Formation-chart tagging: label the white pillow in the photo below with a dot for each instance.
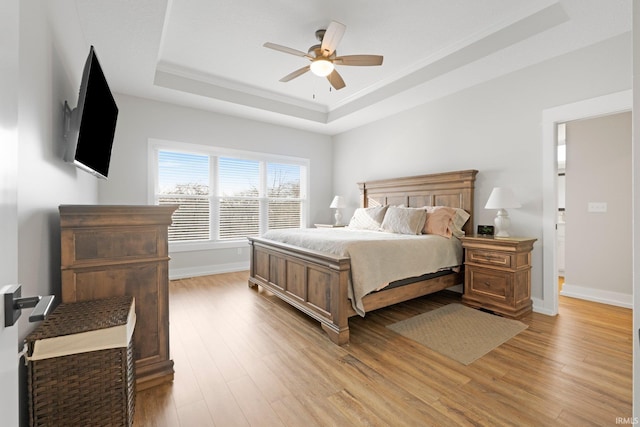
(367, 218)
(404, 220)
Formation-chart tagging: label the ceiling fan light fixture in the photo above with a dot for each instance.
(322, 67)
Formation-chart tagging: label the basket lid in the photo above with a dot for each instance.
(84, 326)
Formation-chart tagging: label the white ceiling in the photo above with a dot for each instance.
(209, 54)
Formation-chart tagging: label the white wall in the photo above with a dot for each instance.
(140, 120)
(44, 180)
(494, 127)
(598, 244)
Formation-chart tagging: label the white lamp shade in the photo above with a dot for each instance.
(321, 67)
(502, 198)
(338, 202)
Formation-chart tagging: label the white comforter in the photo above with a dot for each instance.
(377, 258)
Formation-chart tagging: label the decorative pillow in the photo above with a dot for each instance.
(368, 218)
(439, 220)
(459, 220)
(404, 220)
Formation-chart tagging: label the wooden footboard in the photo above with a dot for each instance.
(317, 283)
(313, 282)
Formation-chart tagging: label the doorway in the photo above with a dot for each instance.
(598, 261)
(605, 105)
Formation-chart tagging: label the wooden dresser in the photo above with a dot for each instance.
(498, 274)
(122, 250)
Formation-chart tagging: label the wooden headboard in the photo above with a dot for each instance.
(453, 189)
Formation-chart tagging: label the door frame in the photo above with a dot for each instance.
(601, 106)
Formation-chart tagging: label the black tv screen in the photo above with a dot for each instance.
(93, 121)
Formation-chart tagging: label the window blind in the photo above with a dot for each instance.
(226, 198)
(283, 190)
(183, 179)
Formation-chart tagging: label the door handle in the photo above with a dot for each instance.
(14, 303)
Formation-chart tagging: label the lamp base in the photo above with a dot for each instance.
(338, 217)
(502, 223)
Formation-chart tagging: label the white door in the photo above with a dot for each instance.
(9, 83)
(8, 275)
(8, 271)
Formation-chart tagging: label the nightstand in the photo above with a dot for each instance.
(498, 274)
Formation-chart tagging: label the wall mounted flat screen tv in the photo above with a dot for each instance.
(90, 127)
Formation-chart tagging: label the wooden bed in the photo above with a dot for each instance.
(316, 282)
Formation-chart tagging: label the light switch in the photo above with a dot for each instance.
(597, 207)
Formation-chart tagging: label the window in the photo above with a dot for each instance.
(226, 196)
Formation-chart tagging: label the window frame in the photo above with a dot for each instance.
(155, 145)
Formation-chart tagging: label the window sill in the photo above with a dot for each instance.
(206, 246)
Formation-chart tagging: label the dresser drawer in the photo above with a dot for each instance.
(489, 282)
(500, 259)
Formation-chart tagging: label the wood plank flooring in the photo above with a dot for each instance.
(239, 362)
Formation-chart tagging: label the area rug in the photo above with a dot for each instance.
(461, 333)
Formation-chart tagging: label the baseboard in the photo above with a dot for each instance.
(597, 295)
(183, 273)
(539, 307)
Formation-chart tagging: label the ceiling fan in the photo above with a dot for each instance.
(324, 57)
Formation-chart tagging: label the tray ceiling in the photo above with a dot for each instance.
(209, 54)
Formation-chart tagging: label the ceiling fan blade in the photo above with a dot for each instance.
(332, 37)
(336, 80)
(359, 60)
(285, 49)
(296, 73)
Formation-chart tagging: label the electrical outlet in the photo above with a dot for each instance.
(597, 207)
(239, 251)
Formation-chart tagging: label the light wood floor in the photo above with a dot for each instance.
(239, 363)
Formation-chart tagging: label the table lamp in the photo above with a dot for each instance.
(338, 203)
(502, 198)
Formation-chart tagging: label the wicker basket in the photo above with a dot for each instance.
(87, 388)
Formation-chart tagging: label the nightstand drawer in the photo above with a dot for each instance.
(500, 259)
(489, 282)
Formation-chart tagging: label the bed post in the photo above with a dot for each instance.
(252, 270)
(338, 328)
